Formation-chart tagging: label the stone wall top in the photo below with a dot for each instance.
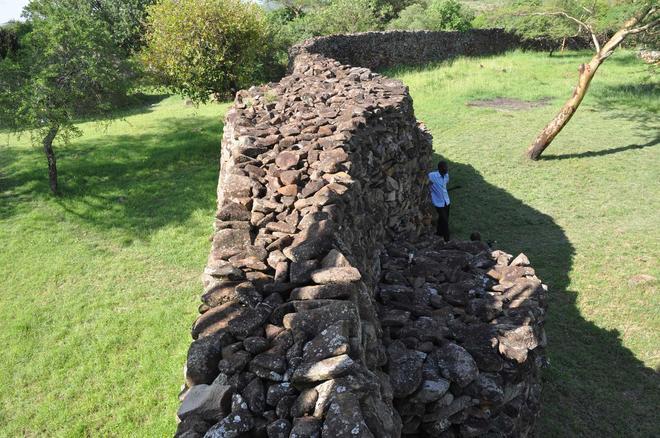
(378, 50)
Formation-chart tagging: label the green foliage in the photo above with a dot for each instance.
(67, 65)
(434, 15)
(344, 16)
(8, 40)
(526, 17)
(204, 47)
(126, 19)
(335, 16)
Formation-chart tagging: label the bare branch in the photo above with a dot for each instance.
(580, 23)
(646, 27)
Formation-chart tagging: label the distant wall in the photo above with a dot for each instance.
(377, 50)
(329, 309)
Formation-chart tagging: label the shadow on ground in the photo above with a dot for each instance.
(594, 386)
(603, 152)
(137, 182)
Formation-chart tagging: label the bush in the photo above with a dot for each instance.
(434, 15)
(204, 47)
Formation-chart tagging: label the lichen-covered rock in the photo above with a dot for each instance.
(204, 355)
(344, 419)
(404, 368)
(455, 364)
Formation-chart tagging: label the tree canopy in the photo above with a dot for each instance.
(204, 47)
(66, 66)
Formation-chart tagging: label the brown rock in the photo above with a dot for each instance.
(286, 160)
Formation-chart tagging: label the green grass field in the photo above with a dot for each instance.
(100, 285)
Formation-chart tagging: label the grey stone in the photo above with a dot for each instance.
(306, 427)
(279, 429)
(322, 370)
(311, 243)
(344, 419)
(204, 355)
(454, 363)
(331, 341)
(335, 259)
(209, 402)
(405, 369)
(336, 275)
(430, 391)
(325, 291)
(300, 272)
(305, 403)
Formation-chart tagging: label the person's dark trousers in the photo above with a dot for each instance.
(443, 222)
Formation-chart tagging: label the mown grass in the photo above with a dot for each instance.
(587, 215)
(100, 285)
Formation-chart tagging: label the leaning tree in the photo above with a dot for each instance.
(643, 17)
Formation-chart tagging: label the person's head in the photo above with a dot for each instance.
(442, 167)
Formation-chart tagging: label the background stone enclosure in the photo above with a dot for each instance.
(329, 310)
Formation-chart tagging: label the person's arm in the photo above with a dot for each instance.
(449, 189)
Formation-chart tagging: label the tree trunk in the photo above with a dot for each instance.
(587, 72)
(50, 156)
(553, 128)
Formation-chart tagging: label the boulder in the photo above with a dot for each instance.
(209, 402)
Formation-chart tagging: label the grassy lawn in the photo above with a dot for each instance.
(587, 215)
(100, 285)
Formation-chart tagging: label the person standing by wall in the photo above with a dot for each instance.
(440, 198)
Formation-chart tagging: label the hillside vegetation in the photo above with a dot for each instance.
(101, 284)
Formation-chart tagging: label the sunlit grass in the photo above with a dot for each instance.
(587, 215)
(100, 285)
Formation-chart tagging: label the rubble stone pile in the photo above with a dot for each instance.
(328, 308)
(463, 329)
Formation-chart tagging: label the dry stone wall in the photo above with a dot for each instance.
(378, 50)
(329, 310)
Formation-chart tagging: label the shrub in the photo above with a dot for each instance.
(204, 47)
(434, 15)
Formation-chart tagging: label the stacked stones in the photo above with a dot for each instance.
(317, 172)
(305, 331)
(378, 50)
(463, 328)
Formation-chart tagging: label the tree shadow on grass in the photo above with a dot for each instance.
(594, 386)
(603, 152)
(135, 182)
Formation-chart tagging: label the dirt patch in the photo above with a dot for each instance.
(507, 104)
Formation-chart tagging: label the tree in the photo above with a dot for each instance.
(66, 66)
(126, 19)
(644, 19)
(204, 47)
(434, 15)
(344, 16)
